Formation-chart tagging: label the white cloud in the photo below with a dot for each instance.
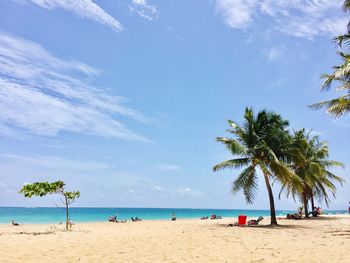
(43, 95)
(300, 18)
(274, 53)
(189, 192)
(236, 13)
(144, 9)
(160, 189)
(184, 190)
(180, 192)
(83, 8)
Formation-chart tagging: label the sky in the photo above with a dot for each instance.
(123, 99)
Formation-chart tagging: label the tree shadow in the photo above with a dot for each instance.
(274, 227)
(36, 233)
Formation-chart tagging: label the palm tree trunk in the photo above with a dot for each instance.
(305, 204)
(272, 202)
(312, 200)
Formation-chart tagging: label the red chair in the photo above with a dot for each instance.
(242, 220)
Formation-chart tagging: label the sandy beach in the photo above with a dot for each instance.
(323, 239)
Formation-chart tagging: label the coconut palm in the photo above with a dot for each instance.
(346, 5)
(258, 143)
(310, 162)
(341, 75)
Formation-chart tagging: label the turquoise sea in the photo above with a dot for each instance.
(55, 215)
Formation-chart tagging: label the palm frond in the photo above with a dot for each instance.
(232, 145)
(231, 164)
(336, 107)
(246, 181)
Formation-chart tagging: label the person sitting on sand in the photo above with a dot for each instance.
(296, 216)
(112, 218)
(213, 216)
(318, 211)
(14, 223)
(314, 212)
(173, 218)
(204, 218)
(254, 222)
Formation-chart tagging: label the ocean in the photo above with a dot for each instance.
(39, 215)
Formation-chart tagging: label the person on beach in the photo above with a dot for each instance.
(70, 224)
(318, 211)
(349, 208)
(14, 223)
(314, 212)
(173, 218)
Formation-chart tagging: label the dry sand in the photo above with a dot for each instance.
(324, 239)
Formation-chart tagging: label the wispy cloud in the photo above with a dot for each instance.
(343, 121)
(166, 167)
(300, 18)
(274, 53)
(54, 163)
(182, 192)
(43, 95)
(187, 191)
(236, 13)
(144, 9)
(160, 189)
(83, 8)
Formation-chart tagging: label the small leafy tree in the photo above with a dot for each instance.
(44, 188)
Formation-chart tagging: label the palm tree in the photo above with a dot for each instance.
(346, 5)
(309, 160)
(341, 74)
(259, 143)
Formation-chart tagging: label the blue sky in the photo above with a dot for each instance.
(123, 99)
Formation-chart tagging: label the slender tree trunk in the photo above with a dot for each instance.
(305, 204)
(272, 202)
(312, 200)
(67, 214)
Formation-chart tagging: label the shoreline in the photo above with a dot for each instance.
(54, 215)
(223, 219)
